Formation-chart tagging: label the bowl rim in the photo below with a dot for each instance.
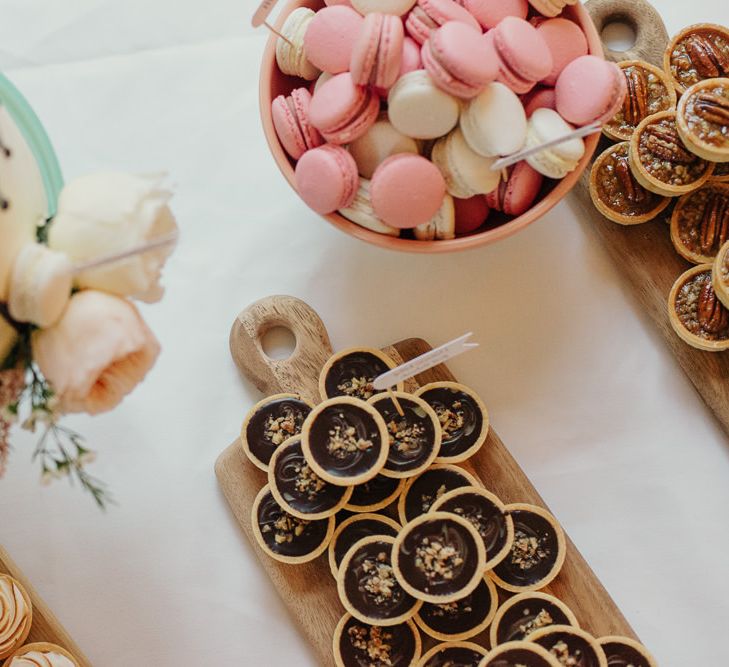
(576, 12)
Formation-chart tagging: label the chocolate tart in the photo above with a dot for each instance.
(358, 644)
(537, 553)
(487, 514)
(463, 419)
(461, 619)
(720, 274)
(351, 373)
(415, 435)
(268, 423)
(660, 160)
(626, 652)
(695, 312)
(649, 91)
(721, 173)
(454, 654)
(345, 441)
(571, 646)
(422, 491)
(284, 537)
(522, 614)
(703, 119)
(617, 194)
(367, 585)
(42, 648)
(438, 557)
(375, 494)
(698, 52)
(700, 223)
(352, 530)
(520, 654)
(298, 489)
(16, 615)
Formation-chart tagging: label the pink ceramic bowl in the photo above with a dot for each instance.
(274, 83)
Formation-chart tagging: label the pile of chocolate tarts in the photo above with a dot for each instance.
(418, 547)
(16, 620)
(673, 131)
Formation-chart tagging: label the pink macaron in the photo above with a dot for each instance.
(427, 15)
(524, 57)
(343, 111)
(407, 190)
(459, 60)
(590, 90)
(411, 59)
(291, 121)
(515, 195)
(566, 42)
(329, 38)
(471, 213)
(377, 52)
(327, 178)
(490, 12)
(539, 98)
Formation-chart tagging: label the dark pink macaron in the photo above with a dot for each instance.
(515, 195)
(471, 213)
(523, 54)
(490, 12)
(590, 90)
(291, 121)
(329, 38)
(326, 178)
(406, 190)
(459, 60)
(377, 52)
(566, 42)
(427, 15)
(538, 98)
(343, 111)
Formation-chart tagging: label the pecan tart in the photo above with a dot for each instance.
(617, 194)
(695, 312)
(42, 654)
(721, 173)
(438, 557)
(358, 644)
(696, 53)
(353, 529)
(520, 654)
(16, 615)
(703, 119)
(700, 223)
(661, 162)
(571, 646)
(454, 654)
(368, 587)
(649, 91)
(720, 274)
(626, 652)
(376, 494)
(351, 373)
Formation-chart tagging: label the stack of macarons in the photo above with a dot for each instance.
(403, 106)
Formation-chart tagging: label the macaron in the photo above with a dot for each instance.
(565, 41)
(329, 38)
(517, 193)
(326, 178)
(490, 12)
(419, 109)
(377, 144)
(406, 190)
(290, 55)
(590, 90)
(459, 60)
(410, 60)
(377, 51)
(290, 116)
(427, 15)
(441, 226)
(494, 122)
(466, 173)
(360, 211)
(539, 98)
(343, 111)
(524, 57)
(395, 7)
(470, 213)
(557, 161)
(551, 7)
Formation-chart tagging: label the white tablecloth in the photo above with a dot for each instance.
(579, 384)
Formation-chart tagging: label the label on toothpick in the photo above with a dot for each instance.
(261, 14)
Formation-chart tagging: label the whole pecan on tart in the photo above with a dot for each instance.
(703, 119)
(696, 53)
(700, 223)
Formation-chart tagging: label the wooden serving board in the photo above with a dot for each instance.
(45, 627)
(309, 590)
(644, 253)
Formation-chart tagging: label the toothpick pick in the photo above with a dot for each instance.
(395, 402)
(154, 244)
(521, 155)
(278, 34)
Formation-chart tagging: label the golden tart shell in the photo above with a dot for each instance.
(42, 647)
(676, 51)
(627, 641)
(24, 628)
(688, 222)
(720, 274)
(719, 90)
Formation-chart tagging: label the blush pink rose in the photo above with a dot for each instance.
(96, 353)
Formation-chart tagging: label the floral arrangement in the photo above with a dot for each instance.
(71, 338)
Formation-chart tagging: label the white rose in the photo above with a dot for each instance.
(105, 213)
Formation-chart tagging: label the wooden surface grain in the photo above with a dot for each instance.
(644, 253)
(309, 590)
(45, 627)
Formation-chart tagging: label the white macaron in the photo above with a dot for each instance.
(360, 212)
(290, 56)
(441, 226)
(379, 142)
(396, 7)
(557, 161)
